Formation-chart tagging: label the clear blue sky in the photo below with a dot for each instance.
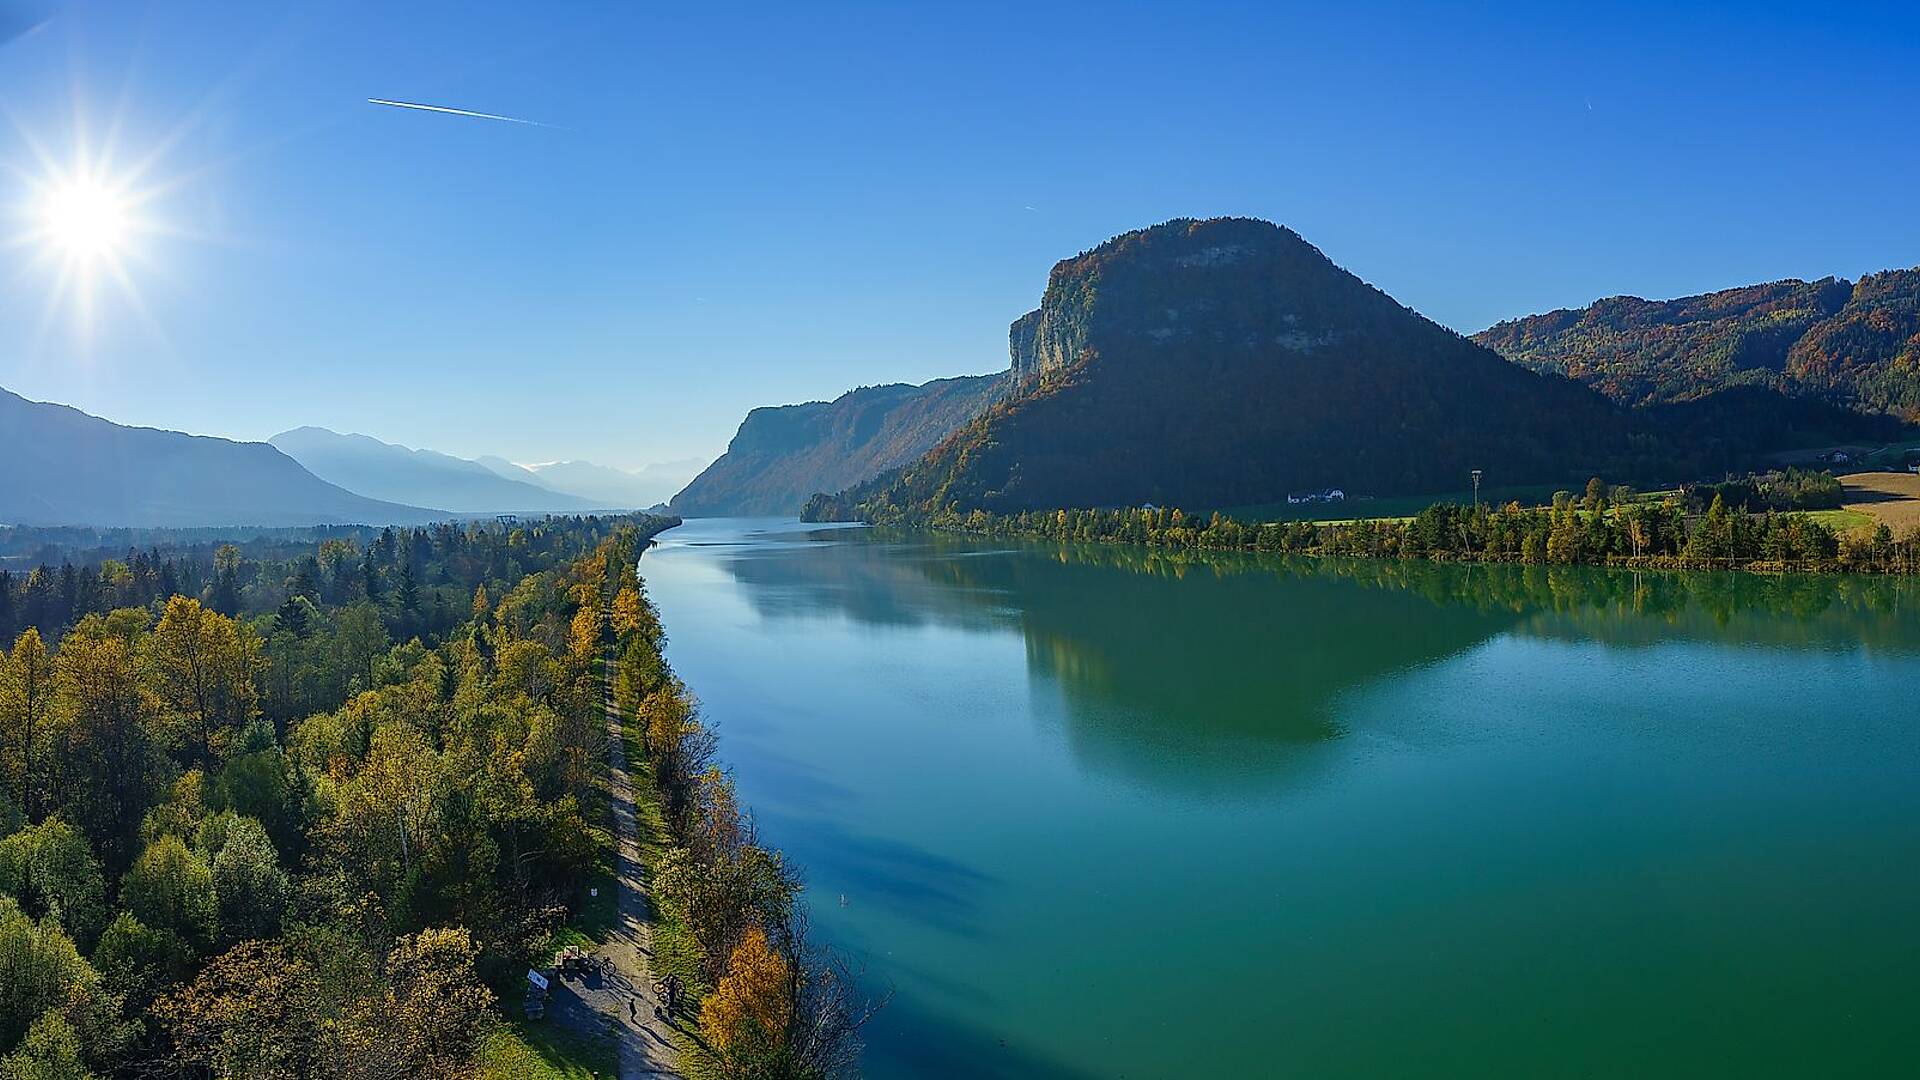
(745, 205)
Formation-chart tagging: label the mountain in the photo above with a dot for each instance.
(386, 471)
(1855, 344)
(1228, 362)
(602, 484)
(782, 455)
(64, 467)
(501, 467)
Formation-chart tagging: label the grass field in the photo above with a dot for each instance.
(1887, 498)
(1842, 521)
(543, 1050)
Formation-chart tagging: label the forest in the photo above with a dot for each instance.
(297, 808)
(1854, 344)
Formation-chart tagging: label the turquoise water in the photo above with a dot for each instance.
(1099, 812)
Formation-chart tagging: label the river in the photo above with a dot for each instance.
(1100, 811)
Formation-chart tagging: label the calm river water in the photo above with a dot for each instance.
(1105, 812)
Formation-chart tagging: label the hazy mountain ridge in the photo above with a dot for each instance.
(1853, 343)
(646, 486)
(783, 454)
(384, 470)
(66, 467)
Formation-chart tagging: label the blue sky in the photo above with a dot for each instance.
(743, 204)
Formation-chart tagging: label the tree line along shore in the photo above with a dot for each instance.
(311, 804)
(1749, 524)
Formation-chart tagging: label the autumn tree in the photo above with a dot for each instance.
(26, 694)
(745, 1019)
(108, 772)
(435, 1010)
(261, 1009)
(203, 665)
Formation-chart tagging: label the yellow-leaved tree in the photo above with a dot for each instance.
(746, 1017)
(204, 665)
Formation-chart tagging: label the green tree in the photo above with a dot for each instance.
(171, 888)
(51, 1051)
(139, 962)
(51, 872)
(40, 971)
(248, 883)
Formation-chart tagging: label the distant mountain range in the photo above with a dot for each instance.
(649, 486)
(1223, 363)
(784, 454)
(1854, 344)
(60, 466)
(420, 477)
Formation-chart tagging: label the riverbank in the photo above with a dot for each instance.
(754, 996)
(1640, 535)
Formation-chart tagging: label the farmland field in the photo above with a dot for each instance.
(1887, 497)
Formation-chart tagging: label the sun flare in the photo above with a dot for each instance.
(85, 227)
(85, 219)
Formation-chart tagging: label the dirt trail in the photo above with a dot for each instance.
(646, 1042)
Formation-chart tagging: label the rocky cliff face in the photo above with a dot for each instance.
(1228, 362)
(1199, 284)
(783, 454)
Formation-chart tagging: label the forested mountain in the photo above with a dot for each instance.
(64, 467)
(781, 455)
(422, 477)
(1854, 344)
(1225, 362)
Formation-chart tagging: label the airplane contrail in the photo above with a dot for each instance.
(454, 112)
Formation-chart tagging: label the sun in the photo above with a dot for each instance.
(85, 219)
(85, 226)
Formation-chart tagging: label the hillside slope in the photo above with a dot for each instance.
(1854, 344)
(65, 467)
(782, 455)
(1227, 362)
(385, 471)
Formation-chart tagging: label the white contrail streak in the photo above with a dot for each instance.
(454, 112)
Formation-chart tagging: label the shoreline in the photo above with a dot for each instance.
(1720, 539)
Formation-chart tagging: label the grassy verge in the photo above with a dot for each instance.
(543, 1050)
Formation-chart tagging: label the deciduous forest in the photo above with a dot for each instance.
(301, 809)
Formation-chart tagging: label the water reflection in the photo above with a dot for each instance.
(1208, 671)
(1503, 813)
